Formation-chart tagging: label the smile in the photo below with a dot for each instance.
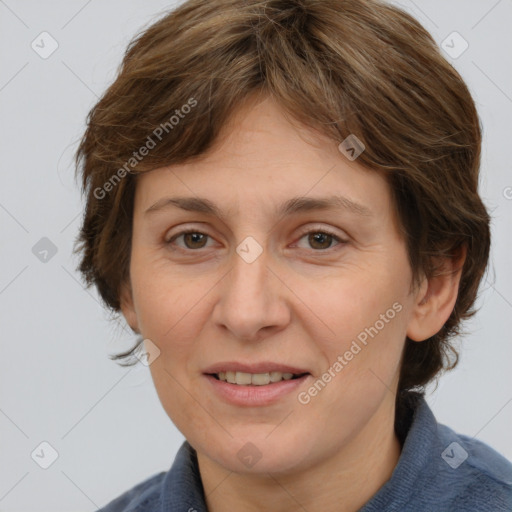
(255, 379)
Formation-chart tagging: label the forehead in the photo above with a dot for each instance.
(263, 159)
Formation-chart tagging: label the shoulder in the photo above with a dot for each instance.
(178, 486)
(141, 498)
(479, 477)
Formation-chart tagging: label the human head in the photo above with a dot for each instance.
(353, 67)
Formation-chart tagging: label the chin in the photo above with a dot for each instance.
(259, 455)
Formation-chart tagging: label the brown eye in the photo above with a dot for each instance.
(194, 240)
(320, 240)
(191, 239)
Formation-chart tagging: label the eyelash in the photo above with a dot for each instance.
(315, 231)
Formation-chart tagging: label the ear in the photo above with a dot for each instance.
(435, 298)
(128, 308)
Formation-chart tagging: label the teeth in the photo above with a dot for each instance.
(275, 376)
(243, 378)
(260, 379)
(256, 379)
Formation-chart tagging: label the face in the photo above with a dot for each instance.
(321, 292)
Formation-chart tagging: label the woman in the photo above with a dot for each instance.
(282, 202)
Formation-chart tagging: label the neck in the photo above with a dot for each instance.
(342, 483)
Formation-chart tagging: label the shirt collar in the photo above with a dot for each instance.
(414, 462)
(182, 489)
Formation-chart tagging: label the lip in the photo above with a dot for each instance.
(261, 367)
(254, 396)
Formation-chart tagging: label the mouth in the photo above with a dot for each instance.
(254, 384)
(255, 379)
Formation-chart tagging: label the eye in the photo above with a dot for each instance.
(321, 240)
(192, 239)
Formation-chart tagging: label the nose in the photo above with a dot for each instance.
(253, 301)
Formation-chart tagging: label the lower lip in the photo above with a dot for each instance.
(251, 396)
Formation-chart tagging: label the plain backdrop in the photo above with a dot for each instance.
(104, 423)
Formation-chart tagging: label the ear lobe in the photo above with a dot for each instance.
(128, 308)
(436, 298)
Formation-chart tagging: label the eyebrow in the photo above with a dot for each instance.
(290, 207)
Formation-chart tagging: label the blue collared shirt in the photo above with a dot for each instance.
(438, 471)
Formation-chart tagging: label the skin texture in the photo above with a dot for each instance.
(302, 302)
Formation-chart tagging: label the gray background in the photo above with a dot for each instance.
(57, 383)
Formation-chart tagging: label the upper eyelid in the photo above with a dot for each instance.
(305, 230)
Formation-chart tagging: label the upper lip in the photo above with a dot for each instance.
(262, 367)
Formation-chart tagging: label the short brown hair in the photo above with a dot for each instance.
(342, 67)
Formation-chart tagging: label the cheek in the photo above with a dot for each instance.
(166, 300)
(366, 333)
(362, 363)
(349, 306)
